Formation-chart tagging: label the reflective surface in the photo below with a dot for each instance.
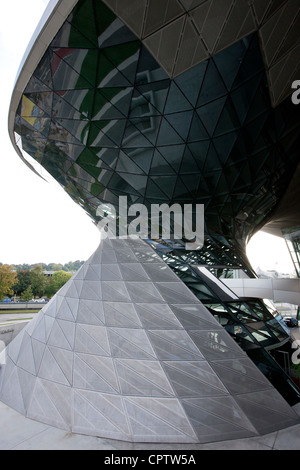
(105, 120)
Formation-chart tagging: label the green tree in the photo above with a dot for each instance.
(56, 282)
(38, 281)
(27, 294)
(23, 282)
(8, 279)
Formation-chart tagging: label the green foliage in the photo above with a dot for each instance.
(72, 266)
(23, 282)
(7, 280)
(56, 282)
(38, 281)
(27, 294)
(25, 276)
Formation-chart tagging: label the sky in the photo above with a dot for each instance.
(38, 221)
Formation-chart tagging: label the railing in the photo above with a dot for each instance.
(22, 305)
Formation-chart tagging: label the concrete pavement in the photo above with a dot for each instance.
(20, 433)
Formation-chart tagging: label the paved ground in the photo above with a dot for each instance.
(6, 318)
(20, 433)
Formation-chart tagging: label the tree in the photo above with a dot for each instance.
(56, 282)
(38, 281)
(8, 279)
(23, 282)
(27, 294)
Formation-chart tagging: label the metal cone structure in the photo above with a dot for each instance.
(126, 351)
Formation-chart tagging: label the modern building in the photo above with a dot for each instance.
(164, 102)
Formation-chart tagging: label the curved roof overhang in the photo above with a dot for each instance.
(53, 18)
(262, 14)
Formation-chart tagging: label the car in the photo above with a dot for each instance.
(291, 322)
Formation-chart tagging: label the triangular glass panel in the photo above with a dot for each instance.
(62, 109)
(148, 126)
(210, 113)
(213, 86)
(80, 100)
(108, 75)
(181, 122)
(154, 193)
(197, 130)
(151, 97)
(141, 106)
(142, 157)
(181, 193)
(36, 86)
(76, 128)
(124, 57)
(228, 62)
(125, 164)
(42, 101)
(149, 71)
(166, 183)
(83, 20)
(133, 137)
(107, 155)
(168, 135)
(192, 183)
(43, 71)
(228, 120)
(173, 155)
(97, 138)
(224, 145)
(71, 37)
(88, 157)
(83, 61)
(127, 184)
(188, 164)
(159, 166)
(103, 107)
(176, 100)
(190, 82)
(65, 77)
(114, 34)
(37, 125)
(60, 134)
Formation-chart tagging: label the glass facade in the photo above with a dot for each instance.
(105, 120)
(292, 238)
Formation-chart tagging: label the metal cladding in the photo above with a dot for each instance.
(126, 351)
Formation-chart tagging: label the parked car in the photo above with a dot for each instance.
(290, 322)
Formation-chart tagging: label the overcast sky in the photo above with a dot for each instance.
(38, 220)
